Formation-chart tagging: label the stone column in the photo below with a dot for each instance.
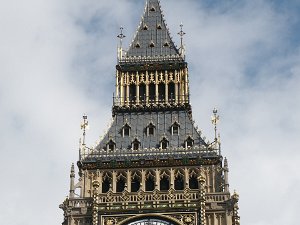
(157, 179)
(147, 87)
(166, 87)
(137, 88)
(95, 201)
(202, 200)
(114, 181)
(172, 178)
(143, 181)
(156, 87)
(129, 180)
(72, 183)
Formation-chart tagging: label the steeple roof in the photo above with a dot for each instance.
(152, 39)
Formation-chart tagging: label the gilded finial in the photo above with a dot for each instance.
(121, 36)
(181, 34)
(214, 120)
(84, 125)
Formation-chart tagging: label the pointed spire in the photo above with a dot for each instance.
(152, 38)
(226, 170)
(72, 184)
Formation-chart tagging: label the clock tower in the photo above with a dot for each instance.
(152, 166)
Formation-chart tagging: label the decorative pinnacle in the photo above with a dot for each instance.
(214, 120)
(181, 34)
(121, 36)
(72, 174)
(84, 126)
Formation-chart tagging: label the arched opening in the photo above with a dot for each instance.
(135, 145)
(151, 93)
(126, 130)
(179, 183)
(105, 185)
(121, 182)
(164, 183)
(142, 90)
(150, 182)
(171, 92)
(132, 93)
(193, 182)
(111, 146)
(189, 142)
(135, 184)
(161, 92)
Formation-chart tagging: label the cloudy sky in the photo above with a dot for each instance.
(57, 62)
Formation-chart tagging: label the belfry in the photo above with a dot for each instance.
(152, 166)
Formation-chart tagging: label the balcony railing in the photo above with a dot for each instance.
(148, 154)
(150, 100)
(148, 199)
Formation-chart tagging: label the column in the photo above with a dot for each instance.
(127, 88)
(137, 88)
(147, 87)
(172, 178)
(186, 177)
(143, 181)
(157, 179)
(166, 87)
(122, 100)
(129, 180)
(114, 182)
(156, 87)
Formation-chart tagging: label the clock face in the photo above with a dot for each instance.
(151, 222)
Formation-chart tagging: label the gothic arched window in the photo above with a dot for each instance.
(126, 130)
(189, 142)
(135, 145)
(150, 129)
(161, 91)
(175, 128)
(111, 145)
(171, 92)
(135, 182)
(151, 92)
(150, 182)
(179, 181)
(121, 183)
(164, 143)
(164, 182)
(193, 182)
(106, 182)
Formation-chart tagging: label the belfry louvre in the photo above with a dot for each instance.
(152, 166)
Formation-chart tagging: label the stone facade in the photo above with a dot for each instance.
(152, 166)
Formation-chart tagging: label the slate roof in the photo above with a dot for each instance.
(163, 121)
(152, 38)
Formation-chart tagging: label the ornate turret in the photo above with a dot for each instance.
(152, 166)
(152, 73)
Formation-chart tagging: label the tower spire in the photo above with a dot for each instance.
(72, 184)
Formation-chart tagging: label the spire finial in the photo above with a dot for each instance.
(121, 36)
(181, 34)
(215, 119)
(84, 126)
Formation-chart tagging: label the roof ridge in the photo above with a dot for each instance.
(152, 37)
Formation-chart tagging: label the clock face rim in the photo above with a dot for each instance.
(150, 221)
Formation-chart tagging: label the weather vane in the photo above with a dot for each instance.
(181, 34)
(84, 126)
(214, 120)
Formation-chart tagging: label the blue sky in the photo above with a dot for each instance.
(58, 62)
